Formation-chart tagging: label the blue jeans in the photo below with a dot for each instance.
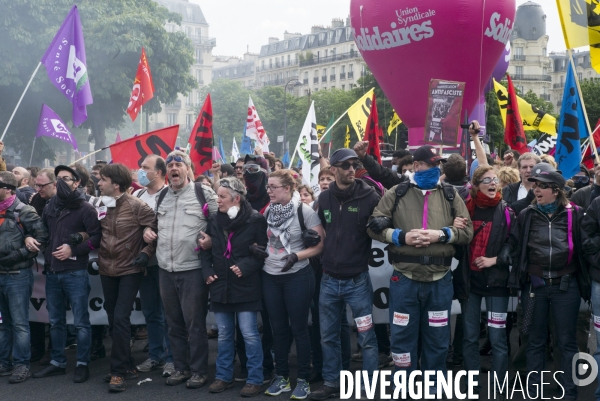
(72, 289)
(226, 346)
(15, 291)
(420, 314)
(154, 313)
(335, 295)
(564, 306)
(596, 312)
(471, 312)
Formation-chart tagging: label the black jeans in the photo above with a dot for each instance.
(288, 298)
(119, 296)
(185, 298)
(564, 307)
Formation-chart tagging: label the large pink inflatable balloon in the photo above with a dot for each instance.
(406, 43)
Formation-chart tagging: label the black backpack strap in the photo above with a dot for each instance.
(450, 194)
(401, 190)
(141, 192)
(301, 218)
(199, 193)
(161, 197)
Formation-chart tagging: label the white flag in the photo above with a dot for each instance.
(235, 153)
(308, 151)
(255, 129)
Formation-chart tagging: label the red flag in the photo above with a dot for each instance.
(589, 156)
(143, 88)
(132, 152)
(201, 139)
(514, 136)
(373, 132)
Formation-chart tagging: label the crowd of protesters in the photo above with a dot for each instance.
(251, 237)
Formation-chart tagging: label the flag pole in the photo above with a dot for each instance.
(330, 128)
(32, 147)
(89, 154)
(587, 122)
(396, 140)
(19, 102)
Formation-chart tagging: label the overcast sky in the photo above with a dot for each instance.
(237, 24)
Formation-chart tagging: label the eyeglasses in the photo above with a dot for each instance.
(226, 184)
(581, 178)
(542, 185)
(252, 168)
(347, 165)
(176, 158)
(273, 187)
(489, 180)
(239, 167)
(66, 179)
(40, 186)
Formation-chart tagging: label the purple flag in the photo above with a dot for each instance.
(51, 125)
(66, 65)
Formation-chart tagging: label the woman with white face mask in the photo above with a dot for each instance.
(232, 271)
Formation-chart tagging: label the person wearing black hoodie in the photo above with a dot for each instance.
(256, 170)
(74, 231)
(344, 210)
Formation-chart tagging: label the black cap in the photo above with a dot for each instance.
(427, 154)
(342, 155)
(60, 168)
(544, 172)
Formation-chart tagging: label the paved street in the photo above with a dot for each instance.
(63, 388)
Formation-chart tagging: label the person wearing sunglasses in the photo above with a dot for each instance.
(418, 223)
(549, 266)
(582, 178)
(583, 197)
(479, 275)
(344, 210)
(182, 211)
(69, 220)
(255, 172)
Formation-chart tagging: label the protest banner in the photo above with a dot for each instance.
(544, 145)
(132, 152)
(443, 112)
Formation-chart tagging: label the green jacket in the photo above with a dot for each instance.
(409, 216)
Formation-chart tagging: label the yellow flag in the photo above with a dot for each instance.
(320, 131)
(579, 20)
(347, 139)
(396, 121)
(533, 119)
(359, 113)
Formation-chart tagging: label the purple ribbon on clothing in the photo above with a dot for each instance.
(227, 252)
(425, 210)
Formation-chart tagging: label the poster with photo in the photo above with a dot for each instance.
(443, 113)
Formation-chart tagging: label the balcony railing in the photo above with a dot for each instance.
(278, 64)
(329, 59)
(315, 80)
(350, 75)
(305, 81)
(558, 85)
(203, 41)
(175, 105)
(324, 78)
(332, 77)
(342, 75)
(519, 57)
(545, 96)
(522, 77)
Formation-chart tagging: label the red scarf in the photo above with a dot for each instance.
(483, 201)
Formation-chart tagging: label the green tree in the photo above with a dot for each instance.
(590, 89)
(114, 32)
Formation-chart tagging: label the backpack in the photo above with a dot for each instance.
(199, 195)
(449, 194)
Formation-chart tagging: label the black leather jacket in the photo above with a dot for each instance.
(13, 234)
(541, 241)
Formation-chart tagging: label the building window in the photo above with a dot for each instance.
(544, 51)
(171, 119)
(580, 76)
(190, 99)
(286, 44)
(343, 87)
(519, 89)
(518, 71)
(289, 58)
(189, 121)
